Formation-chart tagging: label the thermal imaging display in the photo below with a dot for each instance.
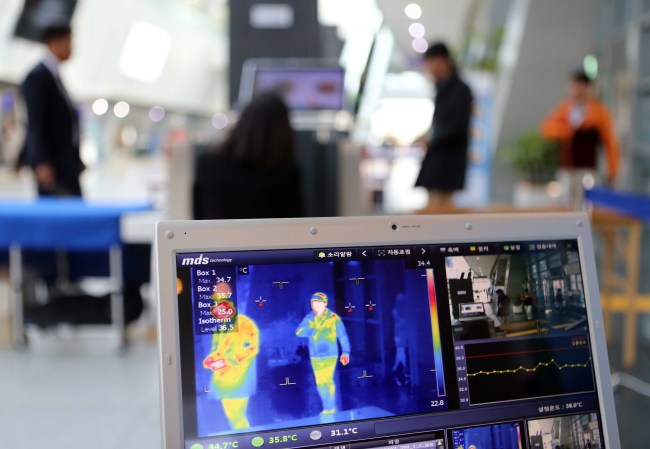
(418, 346)
(300, 344)
(495, 436)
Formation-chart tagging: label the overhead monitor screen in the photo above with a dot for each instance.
(37, 15)
(303, 88)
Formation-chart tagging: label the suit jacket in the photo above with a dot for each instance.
(52, 130)
(444, 165)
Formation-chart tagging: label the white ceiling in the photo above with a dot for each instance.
(102, 27)
(193, 72)
(481, 266)
(443, 20)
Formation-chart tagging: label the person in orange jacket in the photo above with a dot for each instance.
(580, 123)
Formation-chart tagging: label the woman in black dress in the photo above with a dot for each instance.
(443, 167)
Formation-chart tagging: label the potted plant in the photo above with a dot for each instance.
(533, 157)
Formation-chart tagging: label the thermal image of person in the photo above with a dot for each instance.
(232, 360)
(400, 329)
(324, 329)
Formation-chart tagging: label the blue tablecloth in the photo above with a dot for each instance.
(70, 224)
(632, 204)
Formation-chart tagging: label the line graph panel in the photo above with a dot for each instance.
(523, 369)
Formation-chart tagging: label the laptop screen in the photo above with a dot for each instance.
(479, 345)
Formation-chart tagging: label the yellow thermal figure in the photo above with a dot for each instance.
(232, 362)
(235, 410)
(324, 374)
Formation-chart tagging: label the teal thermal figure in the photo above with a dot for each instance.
(324, 328)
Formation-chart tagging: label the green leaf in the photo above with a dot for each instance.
(533, 157)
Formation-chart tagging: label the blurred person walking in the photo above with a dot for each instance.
(580, 123)
(444, 165)
(254, 172)
(528, 301)
(51, 146)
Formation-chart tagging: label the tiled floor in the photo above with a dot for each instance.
(102, 402)
(633, 409)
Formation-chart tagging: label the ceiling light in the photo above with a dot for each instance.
(413, 11)
(420, 45)
(156, 114)
(100, 106)
(417, 30)
(219, 120)
(145, 52)
(121, 109)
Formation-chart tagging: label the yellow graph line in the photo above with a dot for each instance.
(530, 370)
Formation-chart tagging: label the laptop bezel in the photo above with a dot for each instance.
(173, 237)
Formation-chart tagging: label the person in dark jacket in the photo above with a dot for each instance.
(254, 173)
(51, 145)
(443, 167)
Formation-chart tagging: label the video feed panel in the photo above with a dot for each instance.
(533, 289)
(579, 431)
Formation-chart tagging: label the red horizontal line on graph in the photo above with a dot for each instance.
(524, 352)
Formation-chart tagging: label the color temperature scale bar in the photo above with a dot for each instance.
(435, 331)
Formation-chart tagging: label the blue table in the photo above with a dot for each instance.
(67, 225)
(619, 217)
(631, 204)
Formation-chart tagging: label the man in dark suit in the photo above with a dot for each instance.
(52, 141)
(443, 168)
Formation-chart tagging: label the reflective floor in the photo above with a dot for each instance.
(633, 409)
(103, 402)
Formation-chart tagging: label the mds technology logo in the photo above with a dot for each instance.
(195, 260)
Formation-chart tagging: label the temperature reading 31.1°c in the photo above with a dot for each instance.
(344, 431)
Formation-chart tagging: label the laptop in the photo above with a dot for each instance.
(342, 333)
